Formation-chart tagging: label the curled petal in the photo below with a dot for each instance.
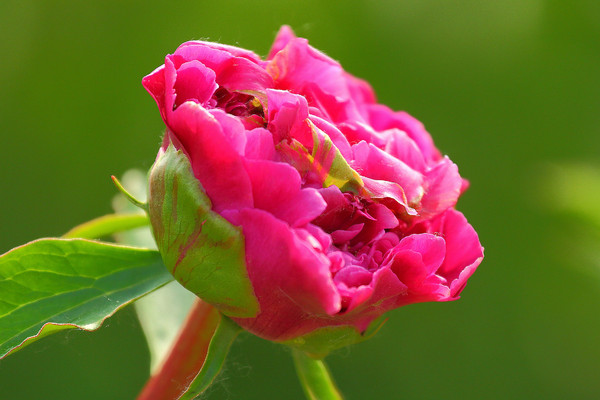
(289, 277)
(215, 162)
(463, 249)
(276, 188)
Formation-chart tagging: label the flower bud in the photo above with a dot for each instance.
(287, 197)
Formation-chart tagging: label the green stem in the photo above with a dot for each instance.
(315, 377)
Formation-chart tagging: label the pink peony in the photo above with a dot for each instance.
(345, 208)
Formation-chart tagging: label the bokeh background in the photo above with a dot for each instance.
(509, 90)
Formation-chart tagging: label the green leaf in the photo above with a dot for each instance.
(54, 284)
(107, 225)
(161, 315)
(203, 251)
(218, 349)
(196, 358)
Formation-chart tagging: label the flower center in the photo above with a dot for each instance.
(247, 107)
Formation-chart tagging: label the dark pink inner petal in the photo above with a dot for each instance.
(463, 248)
(194, 82)
(216, 164)
(276, 188)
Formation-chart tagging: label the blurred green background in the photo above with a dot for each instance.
(509, 90)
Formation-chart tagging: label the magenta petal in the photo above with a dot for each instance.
(213, 55)
(338, 139)
(442, 188)
(233, 130)
(386, 288)
(214, 160)
(405, 149)
(372, 162)
(417, 257)
(287, 113)
(342, 236)
(388, 190)
(286, 273)
(194, 82)
(154, 83)
(383, 118)
(239, 74)
(299, 65)
(283, 37)
(276, 188)
(259, 145)
(360, 91)
(463, 250)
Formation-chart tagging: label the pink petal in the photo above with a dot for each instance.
(194, 82)
(372, 162)
(416, 258)
(214, 160)
(239, 74)
(284, 36)
(463, 249)
(287, 113)
(338, 139)
(259, 145)
(401, 146)
(442, 188)
(288, 276)
(233, 130)
(154, 83)
(276, 188)
(212, 54)
(383, 118)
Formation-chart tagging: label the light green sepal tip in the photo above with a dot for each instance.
(129, 196)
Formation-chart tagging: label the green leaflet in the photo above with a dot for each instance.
(203, 251)
(107, 225)
(54, 284)
(220, 343)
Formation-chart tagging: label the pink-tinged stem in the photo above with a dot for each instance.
(187, 355)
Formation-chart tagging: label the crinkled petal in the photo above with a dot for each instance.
(194, 82)
(212, 54)
(259, 145)
(276, 188)
(214, 160)
(241, 74)
(401, 146)
(233, 130)
(416, 258)
(154, 83)
(463, 249)
(443, 186)
(286, 116)
(289, 277)
(383, 118)
(284, 36)
(372, 162)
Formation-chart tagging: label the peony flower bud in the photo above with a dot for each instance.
(288, 198)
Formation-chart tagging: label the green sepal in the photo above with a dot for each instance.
(55, 284)
(203, 251)
(320, 342)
